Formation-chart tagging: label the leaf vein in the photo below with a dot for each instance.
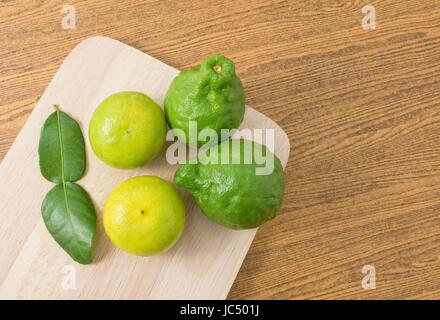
(63, 178)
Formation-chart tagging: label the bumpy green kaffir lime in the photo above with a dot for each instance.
(234, 194)
(211, 95)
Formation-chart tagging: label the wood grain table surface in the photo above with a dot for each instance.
(361, 109)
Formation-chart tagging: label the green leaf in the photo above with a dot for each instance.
(61, 149)
(68, 211)
(70, 217)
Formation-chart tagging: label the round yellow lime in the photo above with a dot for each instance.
(127, 130)
(144, 215)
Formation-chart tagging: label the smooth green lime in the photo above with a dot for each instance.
(211, 95)
(234, 194)
(127, 130)
(144, 215)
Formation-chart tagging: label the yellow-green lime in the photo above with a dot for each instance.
(144, 215)
(127, 130)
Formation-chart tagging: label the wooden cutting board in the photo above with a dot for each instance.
(202, 265)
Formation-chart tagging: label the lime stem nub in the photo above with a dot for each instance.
(218, 68)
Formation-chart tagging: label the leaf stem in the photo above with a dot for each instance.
(60, 139)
